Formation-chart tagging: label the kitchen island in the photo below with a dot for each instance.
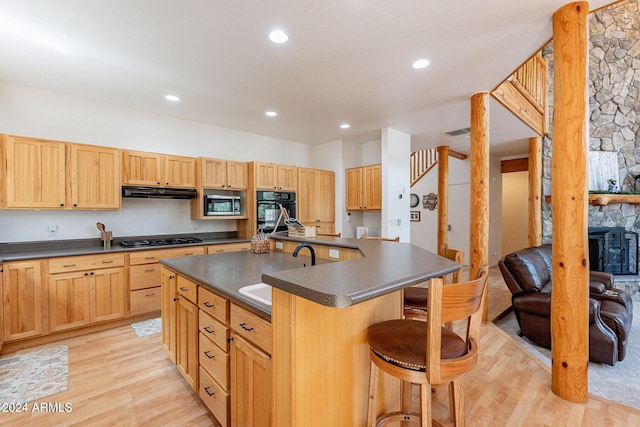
(319, 361)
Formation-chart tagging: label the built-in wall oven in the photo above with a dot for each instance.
(268, 210)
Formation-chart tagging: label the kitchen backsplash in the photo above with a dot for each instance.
(138, 217)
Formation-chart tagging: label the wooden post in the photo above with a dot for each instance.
(479, 229)
(535, 191)
(443, 196)
(569, 201)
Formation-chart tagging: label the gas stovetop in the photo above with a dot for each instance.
(159, 242)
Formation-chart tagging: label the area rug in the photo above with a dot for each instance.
(35, 375)
(147, 327)
(619, 383)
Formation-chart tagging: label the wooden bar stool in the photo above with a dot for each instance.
(415, 297)
(426, 353)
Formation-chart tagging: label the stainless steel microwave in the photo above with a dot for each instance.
(218, 205)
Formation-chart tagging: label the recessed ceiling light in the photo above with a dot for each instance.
(271, 113)
(345, 126)
(421, 63)
(172, 98)
(278, 36)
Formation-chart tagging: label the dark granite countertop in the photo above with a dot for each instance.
(386, 267)
(19, 251)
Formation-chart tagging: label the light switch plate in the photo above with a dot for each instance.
(334, 253)
(278, 245)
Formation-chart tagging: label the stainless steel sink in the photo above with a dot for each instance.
(260, 292)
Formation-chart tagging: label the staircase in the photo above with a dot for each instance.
(422, 162)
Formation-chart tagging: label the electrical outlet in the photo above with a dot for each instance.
(52, 231)
(278, 245)
(334, 253)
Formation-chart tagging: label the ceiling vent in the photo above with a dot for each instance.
(458, 132)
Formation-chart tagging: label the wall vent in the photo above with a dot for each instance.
(458, 132)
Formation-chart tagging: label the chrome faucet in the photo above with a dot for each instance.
(308, 246)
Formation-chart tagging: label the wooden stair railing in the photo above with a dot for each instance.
(422, 162)
(525, 93)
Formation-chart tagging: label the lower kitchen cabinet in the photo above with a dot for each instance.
(251, 369)
(187, 341)
(222, 350)
(22, 300)
(82, 298)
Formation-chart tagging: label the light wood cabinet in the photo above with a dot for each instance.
(95, 177)
(169, 308)
(187, 339)
(158, 170)
(364, 188)
(79, 297)
(145, 280)
(228, 247)
(23, 294)
(42, 174)
(251, 369)
(316, 199)
(221, 174)
(272, 176)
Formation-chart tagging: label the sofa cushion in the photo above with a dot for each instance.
(531, 268)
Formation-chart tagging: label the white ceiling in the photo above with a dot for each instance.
(346, 61)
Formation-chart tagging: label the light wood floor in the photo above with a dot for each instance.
(118, 379)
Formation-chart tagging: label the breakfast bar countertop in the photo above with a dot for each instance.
(384, 268)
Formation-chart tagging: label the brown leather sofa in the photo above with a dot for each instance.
(527, 273)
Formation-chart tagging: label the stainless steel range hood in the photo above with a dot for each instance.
(158, 193)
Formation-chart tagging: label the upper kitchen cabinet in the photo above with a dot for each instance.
(95, 177)
(272, 176)
(221, 174)
(364, 188)
(316, 199)
(43, 174)
(158, 170)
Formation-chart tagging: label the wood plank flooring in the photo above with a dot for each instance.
(118, 379)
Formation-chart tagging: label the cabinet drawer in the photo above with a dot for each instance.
(144, 276)
(147, 257)
(87, 262)
(252, 327)
(213, 304)
(145, 300)
(214, 330)
(216, 399)
(187, 289)
(215, 361)
(228, 247)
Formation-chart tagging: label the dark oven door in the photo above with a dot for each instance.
(268, 210)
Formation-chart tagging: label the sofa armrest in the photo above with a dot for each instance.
(538, 303)
(599, 276)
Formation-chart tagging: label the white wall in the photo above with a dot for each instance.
(396, 148)
(425, 232)
(515, 211)
(36, 113)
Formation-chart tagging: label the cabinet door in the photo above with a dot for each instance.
(141, 168)
(168, 309)
(354, 189)
(95, 177)
(69, 296)
(108, 296)
(306, 196)
(22, 300)
(187, 341)
(251, 384)
(287, 178)
(35, 173)
(265, 176)
(180, 171)
(325, 199)
(372, 187)
(236, 175)
(213, 173)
